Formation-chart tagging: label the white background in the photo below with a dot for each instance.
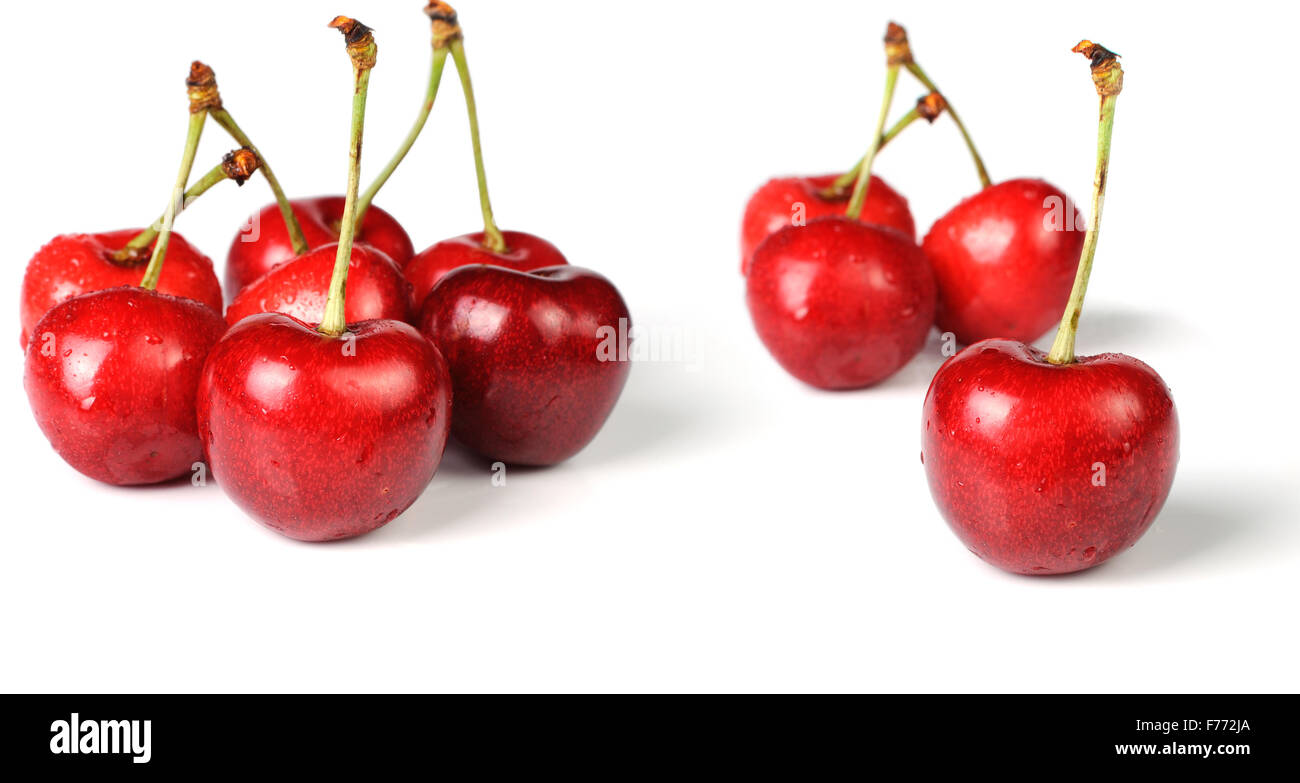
(730, 529)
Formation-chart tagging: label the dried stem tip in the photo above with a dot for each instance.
(931, 106)
(1106, 72)
(446, 28)
(201, 86)
(361, 43)
(897, 50)
(240, 164)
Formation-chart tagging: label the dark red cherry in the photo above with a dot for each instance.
(535, 358)
(523, 253)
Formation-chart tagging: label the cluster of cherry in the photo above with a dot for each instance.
(323, 399)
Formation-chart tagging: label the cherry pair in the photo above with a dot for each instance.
(841, 305)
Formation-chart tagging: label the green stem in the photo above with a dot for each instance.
(849, 177)
(920, 75)
(334, 322)
(192, 136)
(492, 238)
(299, 242)
(141, 241)
(859, 198)
(435, 78)
(1063, 346)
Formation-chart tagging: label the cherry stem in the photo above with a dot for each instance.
(296, 238)
(859, 198)
(362, 50)
(431, 94)
(492, 239)
(192, 136)
(1108, 77)
(927, 107)
(983, 173)
(233, 166)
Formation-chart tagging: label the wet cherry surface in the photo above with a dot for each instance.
(111, 377)
(72, 264)
(264, 242)
(840, 304)
(1047, 469)
(323, 438)
(530, 358)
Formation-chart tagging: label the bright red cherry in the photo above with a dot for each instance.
(1004, 260)
(537, 358)
(323, 437)
(1048, 463)
(773, 207)
(264, 241)
(376, 288)
(840, 304)
(326, 432)
(1042, 468)
(111, 377)
(523, 253)
(72, 264)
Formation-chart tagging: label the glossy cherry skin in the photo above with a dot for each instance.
(523, 253)
(72, 264)
(840, 304)
(323, 438)
(1004, 261)
(530, 357)
(1048, 469)
(772, 208)
(111, 377)
(264, 241)
(376, 288)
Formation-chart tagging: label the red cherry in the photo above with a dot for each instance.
(534, 356)
(72, 264)
(524, 253)
(1042, 468)
(321, 438)
(771, 208)
(376, 288)
(264, 242)
(1004, 260)
(840, 304)
(111, 377)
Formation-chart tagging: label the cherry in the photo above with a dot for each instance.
(265, 243)
(840, 304)
(1052, 463)
(330, 432)
(111, 378)
(523, 253)
(1003, 266)
(376, 288)
(321, 437)
(72, 264)
(111, 375)
(775, 206)
(535, 358)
